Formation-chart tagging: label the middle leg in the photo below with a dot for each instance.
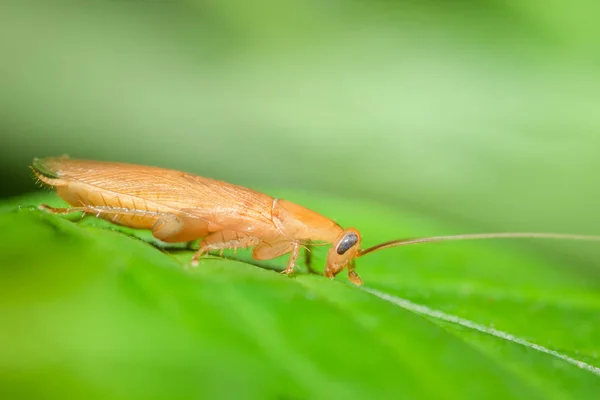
(292, 262)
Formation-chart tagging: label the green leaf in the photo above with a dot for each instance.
(92, 310)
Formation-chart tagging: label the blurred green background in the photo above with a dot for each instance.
(483, 110)
(481, 114)
(480, 111)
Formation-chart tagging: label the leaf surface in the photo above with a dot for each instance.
(92, 310)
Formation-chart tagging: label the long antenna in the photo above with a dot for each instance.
(404, 242)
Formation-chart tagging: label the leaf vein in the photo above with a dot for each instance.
(437, 314)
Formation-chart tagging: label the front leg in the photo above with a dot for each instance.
(223, 240)
(352, 275)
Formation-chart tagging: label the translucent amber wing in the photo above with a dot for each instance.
(174, 189)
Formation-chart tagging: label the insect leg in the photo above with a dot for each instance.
(175, 228)
(166, 227)
(69, 210)
(223, 240)
(352, 275)
(292, 262)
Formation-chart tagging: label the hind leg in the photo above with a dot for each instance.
(173, 228)
(167, 227)
(224, 240)
(98, 211)
(53, 210)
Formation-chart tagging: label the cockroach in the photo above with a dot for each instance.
(181, 207)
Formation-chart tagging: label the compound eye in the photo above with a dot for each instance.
(347, 241)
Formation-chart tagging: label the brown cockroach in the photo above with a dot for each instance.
(181, 207)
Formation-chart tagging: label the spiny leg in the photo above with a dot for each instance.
(166, 225)
(223, 240)
(292, 262)
(85, 209)
(69, 210)
(95, 210)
